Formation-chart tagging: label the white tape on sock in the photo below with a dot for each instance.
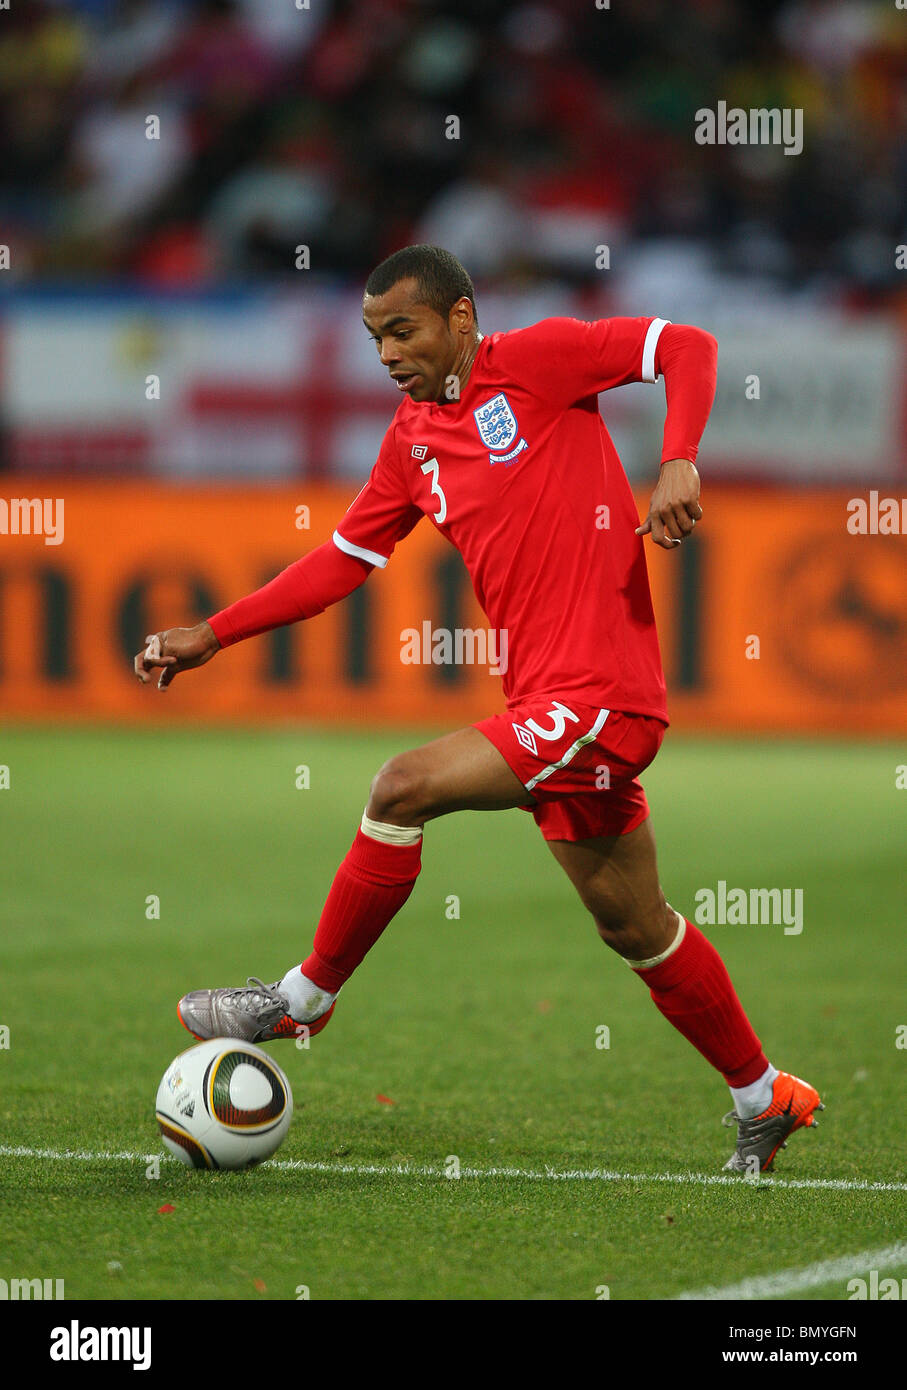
(656, 960)
(391, 834)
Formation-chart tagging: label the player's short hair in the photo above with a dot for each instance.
(441, 278)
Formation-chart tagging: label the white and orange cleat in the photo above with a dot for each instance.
(793, 1105)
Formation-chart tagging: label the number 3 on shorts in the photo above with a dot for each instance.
(432, 467)
(558, 714)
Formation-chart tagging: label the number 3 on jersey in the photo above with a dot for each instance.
(432, 467)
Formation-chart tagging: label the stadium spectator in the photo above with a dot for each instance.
(575, 129)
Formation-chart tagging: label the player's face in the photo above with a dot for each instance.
(417, 346)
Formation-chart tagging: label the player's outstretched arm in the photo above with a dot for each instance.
(302, 590)
(674, 508)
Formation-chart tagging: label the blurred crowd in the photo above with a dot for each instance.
(520, 135)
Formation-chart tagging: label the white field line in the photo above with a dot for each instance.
(295, 1165)
(789, 1281)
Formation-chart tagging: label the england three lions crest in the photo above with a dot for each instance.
(498, 429)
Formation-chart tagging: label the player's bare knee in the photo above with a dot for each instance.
(635, 933)
(620, 933)
(397, 794)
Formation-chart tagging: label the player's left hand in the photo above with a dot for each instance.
(674, 508)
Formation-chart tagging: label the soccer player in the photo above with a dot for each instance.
(498, 440)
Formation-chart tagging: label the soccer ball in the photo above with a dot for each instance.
(223, 1104)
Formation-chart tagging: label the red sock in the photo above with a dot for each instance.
(370, 887)
(694, 992)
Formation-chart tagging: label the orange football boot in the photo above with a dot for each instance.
(793, 1105)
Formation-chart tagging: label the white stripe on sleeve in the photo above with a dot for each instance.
(371, 556)
(649, 346)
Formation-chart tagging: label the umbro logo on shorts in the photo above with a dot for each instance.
(526, 738)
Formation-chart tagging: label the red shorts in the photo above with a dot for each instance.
(580, 763)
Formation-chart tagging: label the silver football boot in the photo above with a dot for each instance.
(255, 1013)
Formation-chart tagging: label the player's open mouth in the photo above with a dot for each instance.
(404, 383)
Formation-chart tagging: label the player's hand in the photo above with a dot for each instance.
(674, 508)
(178, 649)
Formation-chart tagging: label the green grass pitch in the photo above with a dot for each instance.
(480, 1028)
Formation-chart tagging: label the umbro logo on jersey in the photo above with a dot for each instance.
(420, 451)
(498, 428)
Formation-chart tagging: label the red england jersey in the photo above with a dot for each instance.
(521, 475)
